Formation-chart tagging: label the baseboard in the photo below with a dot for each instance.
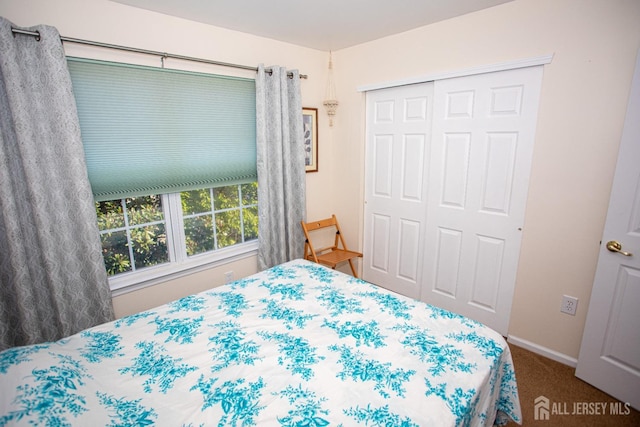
(543, 351)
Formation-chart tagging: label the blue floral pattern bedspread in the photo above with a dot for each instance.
(296, 345)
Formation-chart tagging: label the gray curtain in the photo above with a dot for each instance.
(52, 278)
(281, 167)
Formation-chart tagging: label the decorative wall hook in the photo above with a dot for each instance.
(330, 103)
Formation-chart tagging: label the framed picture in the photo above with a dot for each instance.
(310, 127)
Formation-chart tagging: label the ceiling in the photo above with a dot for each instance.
(319, 24)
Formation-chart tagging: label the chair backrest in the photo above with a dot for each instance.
(309, 228)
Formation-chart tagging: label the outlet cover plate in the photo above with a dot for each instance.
(569, 305)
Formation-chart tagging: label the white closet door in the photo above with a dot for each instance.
(397, 149)
(482, 144)
(446, 190)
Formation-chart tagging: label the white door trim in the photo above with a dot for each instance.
(490, 68)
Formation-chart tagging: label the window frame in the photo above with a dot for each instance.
(179, 263)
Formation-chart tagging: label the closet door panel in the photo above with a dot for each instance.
(398, 144)
(482, 145)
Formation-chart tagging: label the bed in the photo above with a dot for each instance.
(295, 345)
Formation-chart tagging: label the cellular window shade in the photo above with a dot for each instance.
(150, 130)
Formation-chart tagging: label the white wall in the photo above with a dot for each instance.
(583, 102)
(109, 22)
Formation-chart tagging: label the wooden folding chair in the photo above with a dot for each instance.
(331, 255)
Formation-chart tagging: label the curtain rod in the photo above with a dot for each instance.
(36, 34)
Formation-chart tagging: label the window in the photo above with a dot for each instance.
(147, 231)
(171, 157)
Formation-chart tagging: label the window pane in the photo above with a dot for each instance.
(228, 228)
(110, 214)
(134, 237)
(249, 194)
(232, 219)
(115, 252)
(250, 220)
(143, 210)
(199, 234)
(149, 245)
(226, 197)
(196, 201)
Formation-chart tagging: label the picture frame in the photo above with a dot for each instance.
(310, 129)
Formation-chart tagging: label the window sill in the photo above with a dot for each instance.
(129, 282)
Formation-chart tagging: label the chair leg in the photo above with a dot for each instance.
(353, 269)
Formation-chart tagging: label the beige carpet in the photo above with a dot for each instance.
(539, 376)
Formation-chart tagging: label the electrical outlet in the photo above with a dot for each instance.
(569, 305)
(228, 277)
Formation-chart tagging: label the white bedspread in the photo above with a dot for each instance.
(295, 345)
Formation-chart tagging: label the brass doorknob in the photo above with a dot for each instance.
(614, 246)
